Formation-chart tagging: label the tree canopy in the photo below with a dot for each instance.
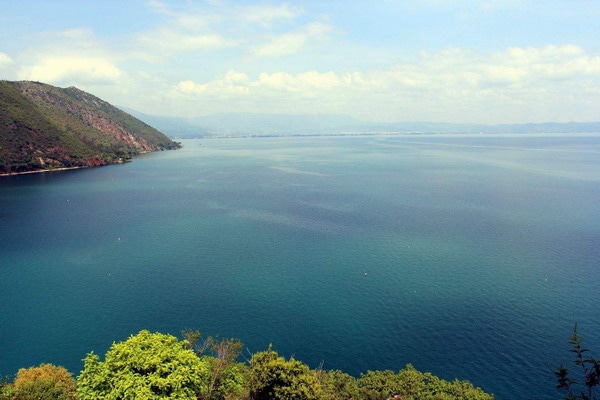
(45, 382)
(147, 365)
(161, 366)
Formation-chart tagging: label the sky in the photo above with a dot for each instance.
(462, 61)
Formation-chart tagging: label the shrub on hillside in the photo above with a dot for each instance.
(45, 382)
(145, 366)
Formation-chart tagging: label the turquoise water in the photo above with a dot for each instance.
(467, 256)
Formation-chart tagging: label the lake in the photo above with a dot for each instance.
(469, 256)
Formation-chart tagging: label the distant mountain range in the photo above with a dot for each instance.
(43, 127)
(250, 124)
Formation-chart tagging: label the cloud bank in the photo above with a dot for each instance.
(452, 84)
(5, 60)
(379, 64)
(72, 69)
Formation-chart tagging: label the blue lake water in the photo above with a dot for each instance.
(467, 256)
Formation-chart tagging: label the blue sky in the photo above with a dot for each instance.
(486, 61)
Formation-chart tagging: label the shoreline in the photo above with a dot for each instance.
(40, 171)
(120, 161)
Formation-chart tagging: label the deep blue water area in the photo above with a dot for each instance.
(468, 256)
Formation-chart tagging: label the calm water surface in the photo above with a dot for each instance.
(467, 256)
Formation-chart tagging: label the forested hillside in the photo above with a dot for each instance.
(44, 127)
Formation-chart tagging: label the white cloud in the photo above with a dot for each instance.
(171, 41)
(233, 83)
(526, 83)
(451, 85)
(292, 42)
(80, 34)
(307, 84)
(267, 16)
(70, 57)
(195, 29)
(190, 87)
(516, 67)
(5, 60)
(72, 69)
(306, 81)
(183, 31)
(78, 40)
(159, 7)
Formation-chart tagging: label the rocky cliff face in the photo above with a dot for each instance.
(46, 127)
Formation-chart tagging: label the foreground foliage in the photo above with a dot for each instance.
(226, 376)
(588, 368)
(45, 382)
(412, 384)
(159, 366)
(272, 377)
(145, 366)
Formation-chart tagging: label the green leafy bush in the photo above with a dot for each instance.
(410, 384)
(273, 377)
(145, 366)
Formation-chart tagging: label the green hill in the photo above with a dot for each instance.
(43, 127)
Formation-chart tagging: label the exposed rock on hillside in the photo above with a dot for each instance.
(45, 127)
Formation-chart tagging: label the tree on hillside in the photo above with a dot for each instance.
(272, 377)
(226, 375)
(145, 366)
(338, 385)
(45, 382)
(411, 384)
